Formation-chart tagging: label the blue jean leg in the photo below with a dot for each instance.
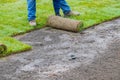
(64, 6)
(56, 5)
(61, 4)
(31, 9)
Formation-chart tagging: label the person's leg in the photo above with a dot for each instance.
(64, 6)
(66, 9)
(31, 9)
(56, 5)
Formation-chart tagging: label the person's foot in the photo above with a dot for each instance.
(32, 23)
(58, 15)
(72, 13)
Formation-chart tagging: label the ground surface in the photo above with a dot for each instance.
(96, 52)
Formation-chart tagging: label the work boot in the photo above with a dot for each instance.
(72, 13)
(32, 23)
(57, 14)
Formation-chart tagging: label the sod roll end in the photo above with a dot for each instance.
(3, 48)
(64, 23)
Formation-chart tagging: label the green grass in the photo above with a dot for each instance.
(13, 17)
(13, 46)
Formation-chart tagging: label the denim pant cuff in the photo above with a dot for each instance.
(30, 19)
(66, 12)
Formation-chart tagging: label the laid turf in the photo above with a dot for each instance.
(13, 46)
(13, 17)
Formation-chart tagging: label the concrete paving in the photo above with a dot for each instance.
(93, 54)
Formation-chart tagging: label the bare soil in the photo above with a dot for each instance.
(93, 54)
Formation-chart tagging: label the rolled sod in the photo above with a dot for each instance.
(64, 23)
(3, 48)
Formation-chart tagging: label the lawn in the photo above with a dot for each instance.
(13, 17)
